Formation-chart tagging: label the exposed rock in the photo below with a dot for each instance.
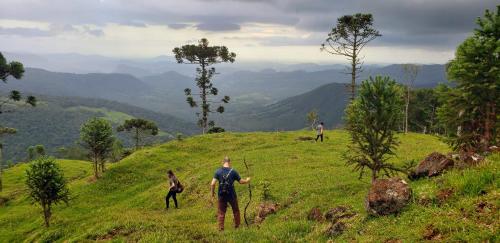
(469, 158)
(264, 210)
(336, 229)
(315, 215)
(335, 214)
(433, 165)
(387, 196)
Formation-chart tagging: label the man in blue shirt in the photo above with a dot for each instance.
(226, 176)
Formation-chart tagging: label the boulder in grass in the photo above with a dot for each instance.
(433, 165)
(387, 196)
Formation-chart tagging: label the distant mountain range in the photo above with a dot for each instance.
(260, 100)
(329, 100)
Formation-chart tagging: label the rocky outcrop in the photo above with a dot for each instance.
(433, 165)
(387, 196)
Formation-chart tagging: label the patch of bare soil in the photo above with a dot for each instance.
(444, 195)
(338, 218)
(431, 233)
(315, 215)
(304, 138)
(264, 210)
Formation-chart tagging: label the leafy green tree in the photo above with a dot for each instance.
(216, 130)
(422, 114)
(372, 120)
(97, 137)
(312, 118)
(139, 128)
(348, 38)
(31, 153)
(35, 152)
(4, 131)
(72, 152)
(46, 184)
(476, 73)
(117, 151)
(205, 56)
(410, 72)
(15, 70)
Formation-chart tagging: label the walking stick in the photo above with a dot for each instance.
(249, 193)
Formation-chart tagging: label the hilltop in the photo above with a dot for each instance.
(127, 203)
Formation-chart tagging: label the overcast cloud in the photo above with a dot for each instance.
(428, 25)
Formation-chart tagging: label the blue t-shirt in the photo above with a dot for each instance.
(233, 176)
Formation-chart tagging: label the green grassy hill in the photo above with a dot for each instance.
(127, 204)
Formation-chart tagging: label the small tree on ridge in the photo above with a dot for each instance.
(372, 120)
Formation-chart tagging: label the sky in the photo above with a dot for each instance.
(288, 31)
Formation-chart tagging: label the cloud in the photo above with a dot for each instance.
(218, 27)
(402, 23)
(25, 32)
(53, 30)
(178, 26)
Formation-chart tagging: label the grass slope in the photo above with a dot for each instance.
(127, 204)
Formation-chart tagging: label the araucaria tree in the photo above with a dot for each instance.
(204, 56)
(372, 120)
(15, 70)
(46, 184)
(97, 137)
(476, 73)
(348, 38)
(139, 128)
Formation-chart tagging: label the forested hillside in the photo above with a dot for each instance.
(56, 122)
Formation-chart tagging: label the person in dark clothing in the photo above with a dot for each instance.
(320, 129)
(172, 190)
(226, 176)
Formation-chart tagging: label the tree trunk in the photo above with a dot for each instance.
(204, 98)
(406, 109)
(488, 126)
(354, 66)
(374, 175)
(1, 169)
(353, 78)
(136, 139)
(46, 214)
(96, 168)
(103, 165)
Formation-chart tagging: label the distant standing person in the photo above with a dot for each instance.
(173, 183)
(320, 129)
(226, 176)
